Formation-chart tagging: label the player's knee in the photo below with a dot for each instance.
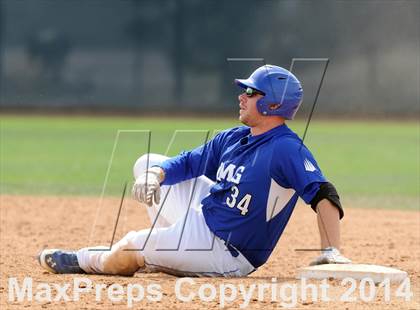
(146, 161)
(141, 165)
(123, 259)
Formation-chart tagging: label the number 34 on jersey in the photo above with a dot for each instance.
(242, 204)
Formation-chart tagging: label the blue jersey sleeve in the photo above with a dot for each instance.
(203, 160)
(293, 166)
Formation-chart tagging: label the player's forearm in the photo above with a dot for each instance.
(175, 168)
(328, 224)
(188, 165)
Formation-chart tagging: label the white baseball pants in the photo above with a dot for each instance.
(179, 241)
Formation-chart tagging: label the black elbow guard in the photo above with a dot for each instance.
(327, 191)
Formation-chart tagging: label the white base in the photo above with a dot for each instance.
(356, 271)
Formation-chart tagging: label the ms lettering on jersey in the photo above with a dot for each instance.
(230, 172)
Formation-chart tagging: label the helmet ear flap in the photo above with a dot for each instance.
(266, 108)
(262, 107)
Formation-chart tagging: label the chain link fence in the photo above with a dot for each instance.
(154, 56)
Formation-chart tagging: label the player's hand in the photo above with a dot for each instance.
(330, 255)
(146, 189)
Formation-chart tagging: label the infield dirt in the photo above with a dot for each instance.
(29, 224)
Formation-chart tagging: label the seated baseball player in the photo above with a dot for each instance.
(220, 209)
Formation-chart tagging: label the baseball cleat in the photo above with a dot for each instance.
(58, 261)
(330, 255)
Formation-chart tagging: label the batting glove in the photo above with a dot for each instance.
(330, 255)
(146, 189)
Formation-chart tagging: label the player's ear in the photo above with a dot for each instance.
(273, 107)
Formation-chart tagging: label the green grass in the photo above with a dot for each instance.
(371, 163)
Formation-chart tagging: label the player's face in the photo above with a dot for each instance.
(248, 113)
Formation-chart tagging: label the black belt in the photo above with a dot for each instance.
(232, 249)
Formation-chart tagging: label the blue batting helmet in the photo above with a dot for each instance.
(282, 90)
